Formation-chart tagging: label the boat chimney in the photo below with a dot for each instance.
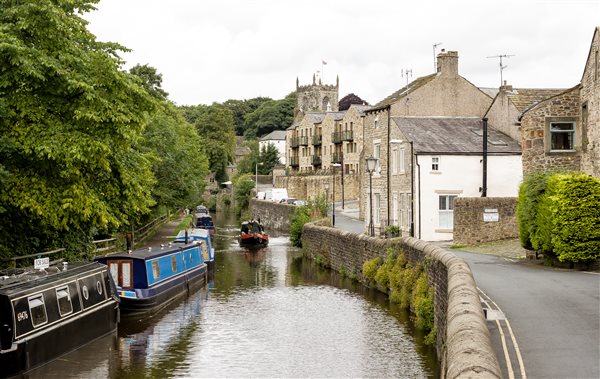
(162, 246)
(150, 248)
(65, 266)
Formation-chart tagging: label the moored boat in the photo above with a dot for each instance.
(47, 313)
(195, 234)
(252, 234)
(148, 279)
(203, 221)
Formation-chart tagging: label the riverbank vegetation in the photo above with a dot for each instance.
(314, 210)
(559, 215)
(405, 284)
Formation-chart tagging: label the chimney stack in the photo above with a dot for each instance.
(447, 63)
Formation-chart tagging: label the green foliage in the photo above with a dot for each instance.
(267, 158)
(569, 217)
(71, 121)
(392, 231)
(370, 269)
(382, 277)
(270, 115)
(422, 303)
(242, 192)
(312, 211)
(322, 261)
(150, 79)
(240, 108)
(559, 214)
(531, 191)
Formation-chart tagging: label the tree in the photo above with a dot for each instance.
(267, 159)
(271, 115)
(346, 101)
(150, 79)
(240, 108)
(70, 125)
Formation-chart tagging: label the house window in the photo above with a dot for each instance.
(395, 161)
(63, 299)
(377, 154)
(376, 123)
(401, 159)
(446, 211)
(37, 308)
(395, 219)
(409, 211)
(401, 206)
(435, 163)
(377, 209)
(562, 136)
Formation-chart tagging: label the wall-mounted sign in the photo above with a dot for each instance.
(490, 215)
(41, 263)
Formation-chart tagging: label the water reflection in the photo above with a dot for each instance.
(265, 313)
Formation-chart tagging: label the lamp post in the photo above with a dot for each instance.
(256, 178)
(371, 164)
(326, 185)
(334, 165)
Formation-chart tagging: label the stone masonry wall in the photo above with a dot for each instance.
(272, 215)
(463, 343)
(470, 227)
(309, 187)
(590, 97)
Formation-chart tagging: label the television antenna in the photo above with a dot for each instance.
(435, 45)
(408, 73)
(500, 56)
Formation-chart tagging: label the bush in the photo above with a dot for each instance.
(382, 277)
(314, 210)
(370, 268)
(242, 192)
(531, 191)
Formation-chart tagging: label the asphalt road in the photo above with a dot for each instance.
(554, 316)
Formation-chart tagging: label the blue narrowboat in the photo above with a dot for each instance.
(196, 234)
(148, 279)
(203, 221)
(48, 312)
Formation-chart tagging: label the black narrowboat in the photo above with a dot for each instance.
(47, 313)
(150, 278)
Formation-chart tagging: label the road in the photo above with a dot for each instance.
(554, 316)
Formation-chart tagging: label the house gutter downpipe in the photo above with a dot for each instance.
(485, 156)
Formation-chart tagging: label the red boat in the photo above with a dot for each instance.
(253, 234)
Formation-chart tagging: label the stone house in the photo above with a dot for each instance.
(590, 109)
(443, 94)
(277, 139)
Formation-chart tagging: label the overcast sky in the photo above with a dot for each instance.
(215, 50)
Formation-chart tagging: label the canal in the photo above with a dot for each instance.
(266, 313)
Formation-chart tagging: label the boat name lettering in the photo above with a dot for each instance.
(22, 316)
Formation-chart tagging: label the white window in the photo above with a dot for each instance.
(377, 154)
(401, 221)
(435, 163)
(376, 123)
(395, 209)
(401, 159)
(562, 136)
(409, 210)
(394, 161)
(446, 211)
(377, 208)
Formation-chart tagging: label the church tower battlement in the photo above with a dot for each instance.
(317, 97)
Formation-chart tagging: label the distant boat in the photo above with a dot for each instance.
(47, 313)
(201, 209)
(196, 234)
(252, 234)
(203, 221)
(148, 279)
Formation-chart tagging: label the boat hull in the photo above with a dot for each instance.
(254, 240)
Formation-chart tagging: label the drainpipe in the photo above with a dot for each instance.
(389, 128)
(412, 189)
(483, 189)
(419, 192)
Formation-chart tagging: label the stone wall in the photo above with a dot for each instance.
(272, 215)
(463, 341)
(310, 186)
(471, 228)
(590, 107)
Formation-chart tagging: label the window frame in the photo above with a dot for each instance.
(435, 163)
(550, 122)
(448, 211)
(38, 297)
(68, 296)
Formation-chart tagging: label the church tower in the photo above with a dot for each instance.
(317, 97)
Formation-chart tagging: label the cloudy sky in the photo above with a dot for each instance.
(215, 50)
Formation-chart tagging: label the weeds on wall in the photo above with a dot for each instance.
(315, 209)
(406, 285)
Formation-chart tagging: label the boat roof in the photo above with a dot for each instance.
(150, 252)
(193, 233)
(19, 280)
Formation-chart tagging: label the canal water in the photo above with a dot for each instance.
(266, 313)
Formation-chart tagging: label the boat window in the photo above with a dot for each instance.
(63, 298)
(155, 270)
(38, 310)
(114, 272)
(126, 274)
(174, 263)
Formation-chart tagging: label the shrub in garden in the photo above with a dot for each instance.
(531, 191)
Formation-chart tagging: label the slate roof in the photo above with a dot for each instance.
(316, 117)
(337, 115)
(274, 135)
(453, 135)
(361, 108)
(524, 98)
(491, 92)
(412, 86)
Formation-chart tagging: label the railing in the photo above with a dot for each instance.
(336, 137)
(317, 139)
(347, 135)
(303, 141)
(294, 142)
(337, 157)
(316, 160)
(105, 245)
(294, 161)
(145, 230)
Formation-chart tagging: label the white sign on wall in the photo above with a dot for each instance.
(41, 263)
(490, 215)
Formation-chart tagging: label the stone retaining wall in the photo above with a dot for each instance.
(463, 340)
(272, 215)
(470, 227)
(311, 186)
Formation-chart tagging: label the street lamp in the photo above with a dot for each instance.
(326, 185)
(256, 178)
(334, 165)
(371, 164)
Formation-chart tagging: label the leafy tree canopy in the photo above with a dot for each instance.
(267, 159)
(240, 108)
(70, 120)
(269, 116)
(346, 101)
(150, 79)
